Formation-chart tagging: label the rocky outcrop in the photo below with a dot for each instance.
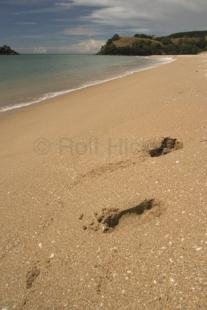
(6, 50)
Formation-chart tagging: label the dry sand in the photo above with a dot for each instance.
(64, 161)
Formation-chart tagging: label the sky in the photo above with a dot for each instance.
(83, 26)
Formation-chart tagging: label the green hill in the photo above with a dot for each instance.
(182, 43)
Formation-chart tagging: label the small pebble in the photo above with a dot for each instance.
(81, 217)
(114, 249)
(52, 256)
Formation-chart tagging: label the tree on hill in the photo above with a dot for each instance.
(143, 36)
(115, 37)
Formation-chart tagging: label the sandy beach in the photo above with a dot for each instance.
(68, 161)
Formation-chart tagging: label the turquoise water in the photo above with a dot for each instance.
(27, 79)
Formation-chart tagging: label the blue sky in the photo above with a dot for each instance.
(84, 25)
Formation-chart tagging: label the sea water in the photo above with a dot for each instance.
(29, 79)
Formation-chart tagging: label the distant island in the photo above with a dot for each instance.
(6, 50)
(182, 43)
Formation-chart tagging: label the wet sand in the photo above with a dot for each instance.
(89, 219)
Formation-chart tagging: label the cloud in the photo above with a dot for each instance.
(118, 16)
(39, 50)
(79, 31)
(63, 5)
(33, 50)
(94, 3)
(140, 4)
(90, 46)
(153, 14)
(190, 5)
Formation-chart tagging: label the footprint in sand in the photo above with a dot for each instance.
(109, 219)
(31, 276)
(167, 145)
(100, 170)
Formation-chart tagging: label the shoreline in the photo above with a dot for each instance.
(65, 164)
(86, 85)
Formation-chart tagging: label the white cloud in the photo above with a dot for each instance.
(90, 46)
(153, 14)
(64, 5)
(33, 50)
(95, 3)
(118, 16)
(40, 50)
(190, 5)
